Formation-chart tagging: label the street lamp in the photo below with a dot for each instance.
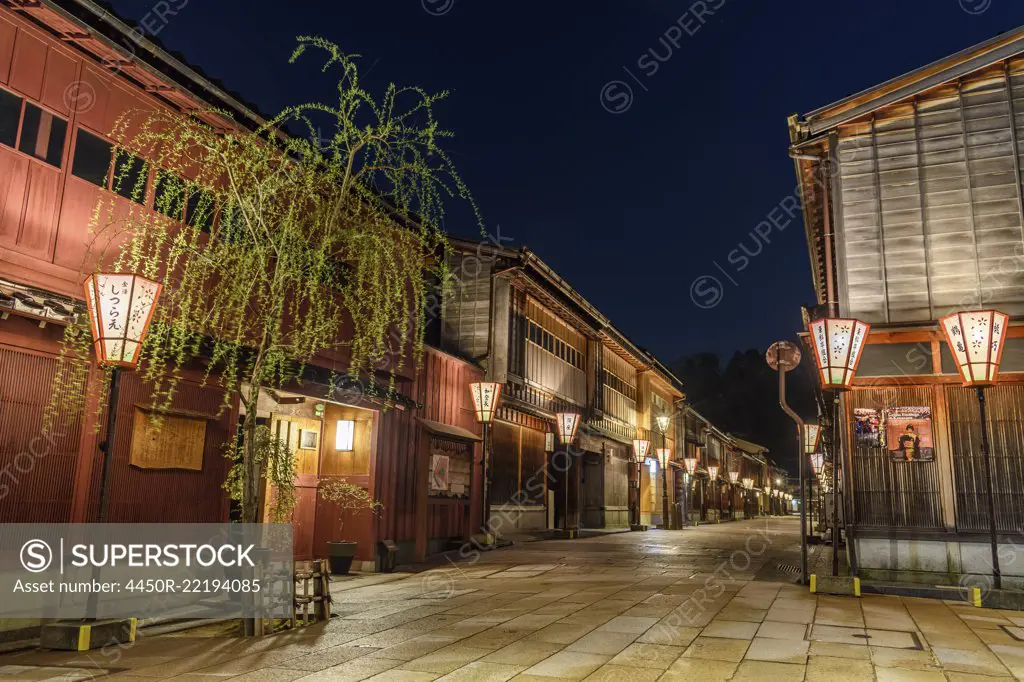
(976, 340)
(640, 450)
(817, 463)
(486, 395)
(568, 424)
(662, 421)
(121, 307)
(812, 437)
(664, 455)
(838, 344)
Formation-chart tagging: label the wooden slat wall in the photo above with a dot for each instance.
(1006, 442)
(616, 404)
(895, 494)
(167, 496)
(931, 198)
(550, 372)
(38, 478)
(467, 311)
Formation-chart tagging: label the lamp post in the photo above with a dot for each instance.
(640, 449)
(121, 307)
(486, 395)
(976, 341)
(748, 485)
(664, 456)
(713, 484)
(567, 424)
(691, 469)
(734, 477)
(663, 421)
(838, 344)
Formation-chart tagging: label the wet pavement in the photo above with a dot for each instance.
(716, 602)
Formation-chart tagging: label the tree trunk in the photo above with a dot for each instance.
(252, 470)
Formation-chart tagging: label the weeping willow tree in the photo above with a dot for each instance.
(315, 233)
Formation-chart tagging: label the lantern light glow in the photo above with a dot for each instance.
(713, 471)
(691, 465)
(121, 307)
(818, 463)
(664, 455)
(568, 424)
(812, 437)
(734, 476)
(485, 400)
(838, 344)
(976, 341)
(641, 448)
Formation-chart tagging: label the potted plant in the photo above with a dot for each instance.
(348, 497)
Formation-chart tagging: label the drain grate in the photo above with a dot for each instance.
(787, 568)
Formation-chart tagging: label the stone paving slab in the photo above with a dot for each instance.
(659, 605)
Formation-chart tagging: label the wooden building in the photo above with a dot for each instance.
(554, 352)
(68, 70)
(720, 499)
(913, 210)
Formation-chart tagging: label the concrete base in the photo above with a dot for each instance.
(65, 635)
(828, 584)
(938, 562)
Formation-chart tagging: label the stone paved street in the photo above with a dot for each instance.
(711, 603)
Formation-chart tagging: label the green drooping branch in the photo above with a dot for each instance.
(279, 244)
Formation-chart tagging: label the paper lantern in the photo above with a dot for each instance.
(568, 423)
(838, 344)
(120, 307)
(976, 341)
(485, 399)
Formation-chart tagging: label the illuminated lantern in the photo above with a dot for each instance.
(662, 422)
(691, 465)
(568, 423)
(748, 483)
(838, 344)
(976, 341)
(713, 471)
(812, 436)
(640, 449)
(485, 400)
(734, 476)
(818, 463)
(121, 307)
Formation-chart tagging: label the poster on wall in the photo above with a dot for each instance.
(439, 472)
(909, 434)
(867, 424)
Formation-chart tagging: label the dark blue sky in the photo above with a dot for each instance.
(632, 207)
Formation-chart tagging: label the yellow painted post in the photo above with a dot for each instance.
(856, 587)
(814, 583)
(976, 596)
(84, 637)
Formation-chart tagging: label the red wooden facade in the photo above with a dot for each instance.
(83, 85)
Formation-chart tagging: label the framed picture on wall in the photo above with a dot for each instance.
(908, 433)
(308, 439)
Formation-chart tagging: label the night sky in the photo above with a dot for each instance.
(630, 207)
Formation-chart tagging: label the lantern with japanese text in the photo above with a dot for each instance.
(838, 344)
(485, 400)
(568, 424)
(121, 307)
